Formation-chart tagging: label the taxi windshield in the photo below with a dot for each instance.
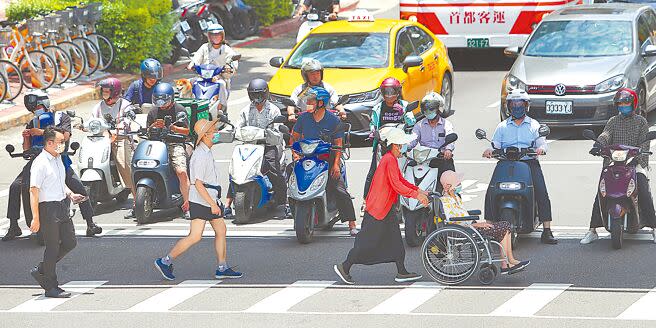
(581, 38)
(344, 50)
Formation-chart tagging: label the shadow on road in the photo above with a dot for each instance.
(468, 60)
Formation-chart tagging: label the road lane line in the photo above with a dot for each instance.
(530, 300)
(494, 162)
(408, 299)
(642, 309)
(283, 300)
(43, 304)
(173, 296)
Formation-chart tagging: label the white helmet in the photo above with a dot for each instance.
(518, 94)
(215, 28)
(310, 65)
(518, 103)
(432, 105)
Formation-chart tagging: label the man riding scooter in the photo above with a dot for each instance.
(260, 113)
(217, 52)
(520, 131)
(629, 129)
(311, 124)
(312, 73)
(141, 91)
(165, 106)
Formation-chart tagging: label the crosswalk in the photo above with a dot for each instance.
(307, 297)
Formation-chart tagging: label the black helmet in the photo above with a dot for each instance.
(35, 98)
(258, 91)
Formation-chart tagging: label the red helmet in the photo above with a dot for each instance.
(626, 95)
(114, 86)
(390, 86)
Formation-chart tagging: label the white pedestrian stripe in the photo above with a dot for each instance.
(530, 300)
(408, 299)
(173, 296)
(642, 309)
(44, 304)
(283, 300)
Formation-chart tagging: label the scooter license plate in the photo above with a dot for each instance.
(181, 37)
(203, 24)
(185, 26)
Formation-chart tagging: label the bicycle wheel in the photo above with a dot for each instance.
(12, 74)
(3, 88)
(91, 52)
(79, 61)
(106, 49)
(63, 60)
(40, 71)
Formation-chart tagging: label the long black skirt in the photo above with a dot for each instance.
(379, 241)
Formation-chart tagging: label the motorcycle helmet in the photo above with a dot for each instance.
(626, 96)
(518, 103)
(163, 95)
(310, 65)
(431, 105)
(114, 86)
(318, 93)
(390, 87)
(258, 91)
(215, 29)
(35, 98)
(151, 68)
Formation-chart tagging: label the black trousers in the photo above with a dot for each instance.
(540, 190)
(75, 185)
(645, 205)
(271, 168)
(20, 190)
(59, 236)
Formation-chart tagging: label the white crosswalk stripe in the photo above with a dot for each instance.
(643, 309)
(530, 300)
(43, 304)
(290, 296)
(408, 299)
(174, 296)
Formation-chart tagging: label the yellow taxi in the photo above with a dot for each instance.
(359, 53)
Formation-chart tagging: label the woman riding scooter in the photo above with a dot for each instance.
(217, 52)
(141, 91)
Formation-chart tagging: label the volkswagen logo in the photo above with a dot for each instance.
(560, 90)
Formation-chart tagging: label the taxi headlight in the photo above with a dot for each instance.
(510, 186)
(619, 155)
(364, 97)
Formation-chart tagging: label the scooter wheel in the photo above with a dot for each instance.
(617, 234)
(144, 204)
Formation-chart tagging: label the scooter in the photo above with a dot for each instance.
(511, 190)
(253, 190)
(153, 175)
(98, 171)
(421, 169)
(208, 86)
(313, 19)
(618, 189)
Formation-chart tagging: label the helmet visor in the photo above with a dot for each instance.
(156, 74)
(390, 92)
(162, 100)
(258, 96)
(517, 104)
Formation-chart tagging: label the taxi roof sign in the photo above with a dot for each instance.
(361, 15)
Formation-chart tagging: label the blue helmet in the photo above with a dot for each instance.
(151, 68)
(163, 95)
(320, 94)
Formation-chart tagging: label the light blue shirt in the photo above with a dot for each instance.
(509, 134)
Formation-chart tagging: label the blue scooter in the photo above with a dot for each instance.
(208, 86)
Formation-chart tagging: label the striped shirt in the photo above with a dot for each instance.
(629, 131)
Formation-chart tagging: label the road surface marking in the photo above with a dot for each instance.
(43, 304)
(530, 300)
(490, 161)
(408, 299)
(283, 300)
(642, 309)
(173, 296)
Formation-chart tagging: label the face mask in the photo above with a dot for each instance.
(431, 115)
(38, 112)
(404, 149)
(458, 189)
(216, 138)
(625, 110)
(60, 148)
(518, 112)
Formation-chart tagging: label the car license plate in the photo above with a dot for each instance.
(559, 107)
(478, 43)
(181, 37)
(203, 24)
(185, 26)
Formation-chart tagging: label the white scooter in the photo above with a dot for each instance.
(253, 190)
(313, 19)
(98, 171)
(421, 169)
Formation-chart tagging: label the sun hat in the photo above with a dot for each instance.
(393, 135)
(202, 126)
(451, 178)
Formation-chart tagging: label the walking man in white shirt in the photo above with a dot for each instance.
(48, 194)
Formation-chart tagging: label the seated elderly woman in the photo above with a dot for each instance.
(499, 231)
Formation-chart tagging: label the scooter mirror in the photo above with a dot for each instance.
(283, 129)
(279, 119)
(450, 138)
(480, 134)
(70, 113)
(130, 114)
(544, 130)
(181, 117)
(411, 106)
(10, 148)
(288, 102)
(236, 57)
(223, 118)
(589, 134)
(75, 146)
(342, 100)
(108, 117)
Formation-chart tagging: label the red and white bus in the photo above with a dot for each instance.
(481, 23)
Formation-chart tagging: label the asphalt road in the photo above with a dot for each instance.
(292, 285)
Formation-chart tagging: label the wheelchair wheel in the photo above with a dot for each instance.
(487, 273)
(450, 255)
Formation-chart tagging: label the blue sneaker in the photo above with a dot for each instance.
(165, 270)
(227, 274)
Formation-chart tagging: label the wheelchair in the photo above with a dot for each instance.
(453, 252)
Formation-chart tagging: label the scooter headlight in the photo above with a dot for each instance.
(317, 183)
(105, 155)
(312, 17)
(510, 186)
(207, 73)
(602, 188)
(95, 126)
(147, 164)
(619, 155)
(420, 155)
(631, 188)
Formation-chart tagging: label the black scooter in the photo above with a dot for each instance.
(510, 192)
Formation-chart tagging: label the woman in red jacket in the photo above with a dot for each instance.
(379, 240)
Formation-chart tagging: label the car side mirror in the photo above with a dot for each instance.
(75, 146)
(412, 106)
(411, 61)
(650, 51)
(288, 102)
(544, 130)
(511, 52)
(276, 61)
(10, 148)
(590, 135)
(480, 134)
(342, 100)
(70, 113)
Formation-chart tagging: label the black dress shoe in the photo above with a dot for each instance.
(548, 238)
(12, 233)
(57, 293)
(93, 230)
(38, 276)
